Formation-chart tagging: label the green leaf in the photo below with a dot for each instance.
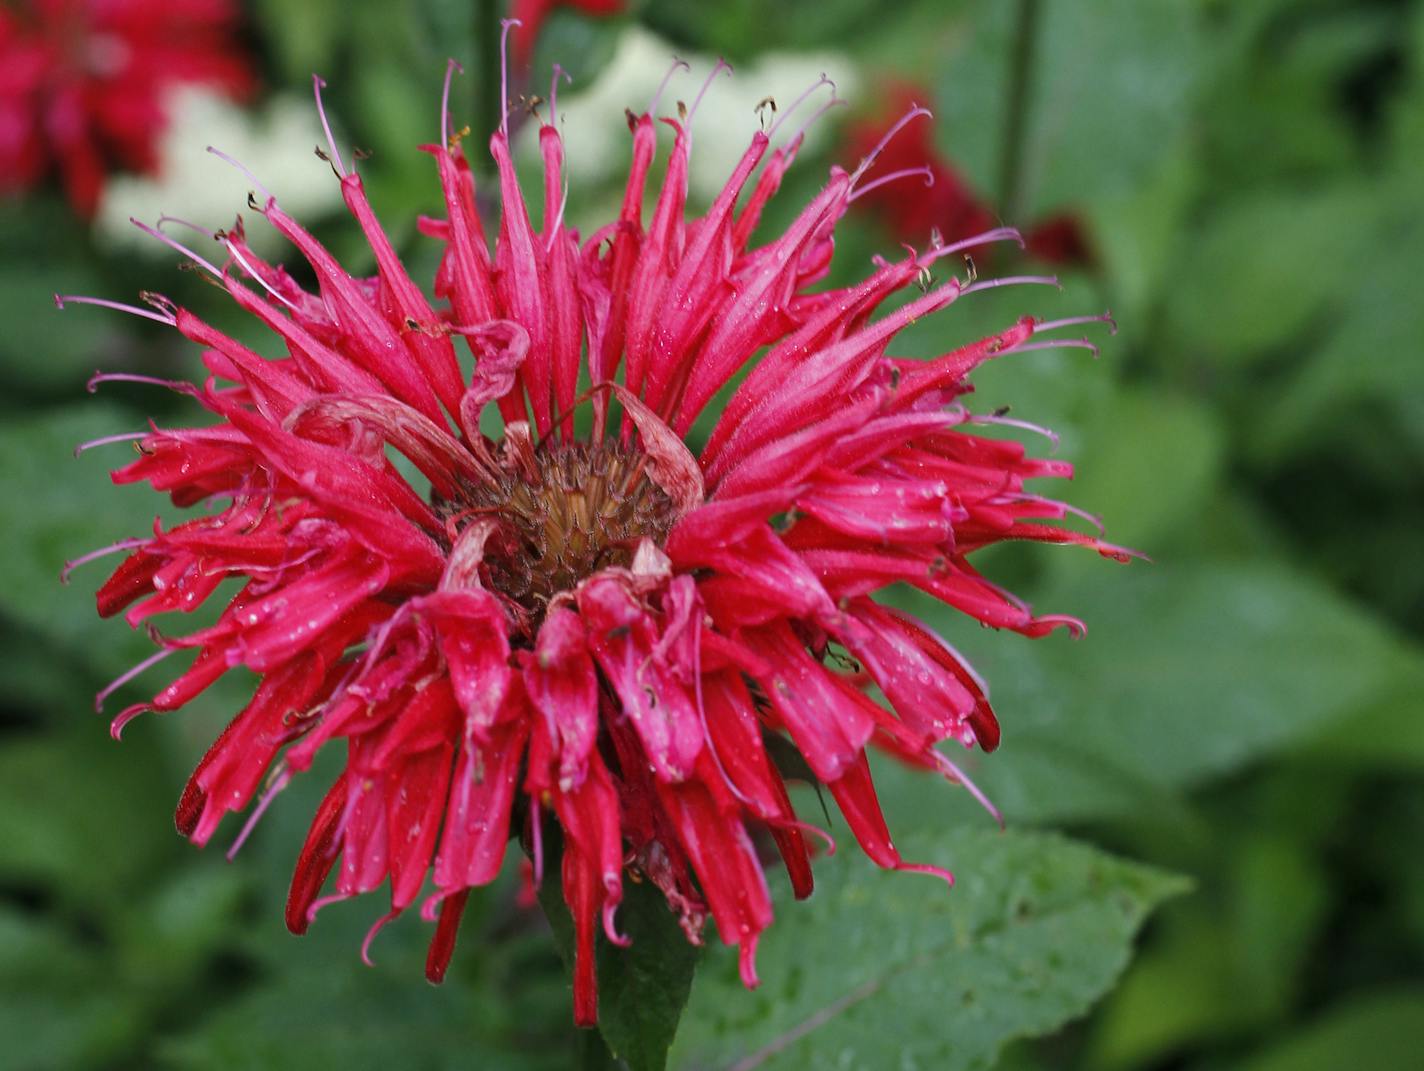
(884, 970)
(642, 988)
(1384, 1032)
(1103, 108)
(1187, 672)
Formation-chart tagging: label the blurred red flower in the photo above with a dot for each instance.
(83, 84)
(532, 13)
(923, 191)
(582, 622)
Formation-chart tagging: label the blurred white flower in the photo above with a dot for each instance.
(274, 143)
(595, 130)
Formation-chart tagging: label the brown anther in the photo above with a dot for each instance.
(682, 111)
(1002, 411)
(762, 107)
(969, 266)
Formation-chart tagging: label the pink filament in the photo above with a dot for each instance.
(998, 234)
(278, 784)
(559, 72)
(122, 437)
(505, 26)
(376, 927)
(1052, 325)
(1058, 344)
(178, 246)
(318, 84)
(60, 300)
(894, 176)
(720, 66)
(451, 67)
(184, 223)
(225, 158)
(834, 102)
(662, 86)
(128, 675)
(112, 548)
(1012, 280)
(253, 272)
(1011, 422)
(134, 377)
(951, 770)
(865, 164)
(805, 96)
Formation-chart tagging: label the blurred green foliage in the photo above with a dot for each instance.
(1245, 711)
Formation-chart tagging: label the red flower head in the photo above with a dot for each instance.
(82, 84)
(529, 15)
(581, 621)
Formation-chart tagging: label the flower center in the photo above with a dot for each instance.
(586, 508)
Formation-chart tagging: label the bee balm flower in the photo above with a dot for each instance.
(581, 621)
(83, 84)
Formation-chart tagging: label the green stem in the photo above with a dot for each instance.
(1016, 114)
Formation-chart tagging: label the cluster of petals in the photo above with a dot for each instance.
(83, 84)
(935, 195)
(630, 713)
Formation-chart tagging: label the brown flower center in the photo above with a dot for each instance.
(587, 508)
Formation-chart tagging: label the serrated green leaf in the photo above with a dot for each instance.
(1187, 672)
(892, 971)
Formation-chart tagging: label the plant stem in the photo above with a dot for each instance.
(1016, 111)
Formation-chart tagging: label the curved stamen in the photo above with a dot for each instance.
(253, 272)
(129, 674)
(951, 770)
(165, 218)
(834, 102)
(869, 159)
(1012, 280)
(720, 66)
(451, 66)
(278, 783)
(662, 86)
(1073, 321)
(610, 930)
(1057, 344)
(805, 96)
(105, 440)
(505, 25)
(154, 232)
(894, 176)
(112, 548)
(998, 234)
(376, 927)
(60, 300)
(1011, 422)
(559, 72)
(318, 84)
(225, 158)
(134, 377)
